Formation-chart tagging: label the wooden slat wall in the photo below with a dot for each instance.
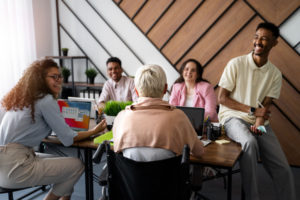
(289, 102)
(236, 47)
(193, 28)
(171, 21)
(287, 60)
(131, 7)
(213, 32)
(288, 136)
(150, 13)
(227, 26)
(274, 10)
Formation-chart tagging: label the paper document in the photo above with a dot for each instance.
(206, 142)
(222, 141)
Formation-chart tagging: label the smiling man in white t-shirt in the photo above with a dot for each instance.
(248, 86)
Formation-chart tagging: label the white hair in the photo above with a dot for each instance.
(150, 81)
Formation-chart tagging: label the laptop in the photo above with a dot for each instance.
(93, 103)
(196, 116)
(75, 113)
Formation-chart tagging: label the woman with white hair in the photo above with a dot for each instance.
(143, 131)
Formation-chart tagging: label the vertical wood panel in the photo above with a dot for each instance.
(223, 30)
(130, 7)
(150, 13)
(196, 26)
(179, 11)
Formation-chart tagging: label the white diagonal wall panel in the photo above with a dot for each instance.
(128, 32)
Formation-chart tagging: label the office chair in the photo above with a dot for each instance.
(128, 179)
(11, 191)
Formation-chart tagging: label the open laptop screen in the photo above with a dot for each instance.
(196, 116)
(75, 113)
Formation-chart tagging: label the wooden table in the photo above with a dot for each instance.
(222, 156)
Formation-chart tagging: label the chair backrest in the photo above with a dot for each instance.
(164, 179)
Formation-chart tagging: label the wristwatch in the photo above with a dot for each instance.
(252, 111)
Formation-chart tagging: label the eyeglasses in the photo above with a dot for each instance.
(56, 77)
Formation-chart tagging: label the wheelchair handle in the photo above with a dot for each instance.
(98, 154)
(185, 154)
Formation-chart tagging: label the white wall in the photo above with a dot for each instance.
(290, 30)
(45, 27)
(46, 35)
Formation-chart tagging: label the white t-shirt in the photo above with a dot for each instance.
(189, 101)
(248, 84)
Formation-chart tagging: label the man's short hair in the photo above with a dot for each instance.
(269, 26)
(150, 81)
(114, 59)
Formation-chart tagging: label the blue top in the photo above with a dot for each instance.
(18, 127)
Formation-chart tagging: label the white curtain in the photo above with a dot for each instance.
(17, 41)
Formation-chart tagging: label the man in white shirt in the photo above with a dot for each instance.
(118, 87)
(248, 86)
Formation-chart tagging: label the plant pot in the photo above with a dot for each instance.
(109, 119)
(65, 52)
(66, 79)
(91, 80)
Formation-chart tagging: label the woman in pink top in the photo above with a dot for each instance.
(191, 90)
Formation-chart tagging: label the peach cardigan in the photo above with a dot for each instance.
(156, 124)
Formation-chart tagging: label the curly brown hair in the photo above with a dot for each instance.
(31, 87)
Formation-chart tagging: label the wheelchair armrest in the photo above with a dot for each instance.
(99, 152)
(185, 154)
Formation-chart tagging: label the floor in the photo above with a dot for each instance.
(212, 189)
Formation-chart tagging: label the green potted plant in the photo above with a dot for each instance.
(91, 73)
(65, 73)
(65, 51)
(111, 110)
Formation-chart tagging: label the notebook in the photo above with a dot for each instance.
(75, 113)
(196, 116)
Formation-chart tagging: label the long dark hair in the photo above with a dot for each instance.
(199, 70)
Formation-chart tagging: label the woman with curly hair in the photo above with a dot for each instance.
(31, 114)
